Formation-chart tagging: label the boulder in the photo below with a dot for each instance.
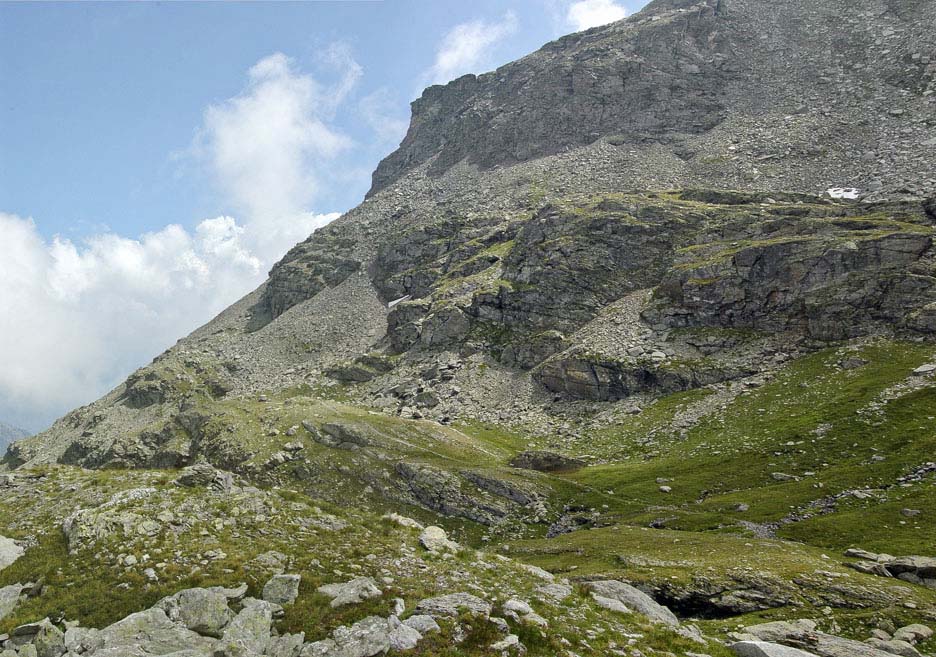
(403, 637)
(452, 604)
(10, 597)
(248, 634)
(633, 598)
(343, 436)
(611, 604)
(422, 623)
(282, 589)
(44, 636)
(802, 634)
(543, 461)
(765, 649)
(353, 592)
(288, 645)
(10, 551)
(913, 633)
(435, 539)
(205, 475)
(149, 632)
(902, 648)
(82, 640)
(553, 593)
(365, 638)
(204, 611)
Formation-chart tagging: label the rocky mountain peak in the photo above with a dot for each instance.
(687, 77)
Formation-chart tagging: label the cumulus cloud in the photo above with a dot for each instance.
(467, 48)
(268, 146)
(584, 14)
(77, 317)
(380, 112)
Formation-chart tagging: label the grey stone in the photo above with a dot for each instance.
(913, 633)
(452, 604)
(10, 551)
(404, 637)
(48, 640)
(422, 623)
(553, 592)
(287, 645)
(10, 597)
(611, 604)
(802, 634)
(635, 599)
(543, 461)
(282, 589)
(435, 539)
(765, 649)
(149, 632)
(248, 634)
(365, 638)
(895, 647)
(204, 611)
(353, 592)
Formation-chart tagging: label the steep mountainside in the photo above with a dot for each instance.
(596, 315)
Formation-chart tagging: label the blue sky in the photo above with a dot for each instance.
(156, 158)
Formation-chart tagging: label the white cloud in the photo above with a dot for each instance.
(584, 14)
(381, 114)
(467, 48)
(77, 317)
(268, 147)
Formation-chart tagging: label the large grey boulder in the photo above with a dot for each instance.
(633, 598)
(80, 640)
(452, 604)
(282, 589)
(149, 632)
(913, 633)
(365, 638)
(543, 461)
(765, 649)
(287, 645)
(422, 623)
(895, 647)
(44, 636)
(435, 539)
(205, 475)
(10, 597)
(403, 637)
(803, 635)
(353, 592)
(248, 634)
(204, 611)
(10, 551)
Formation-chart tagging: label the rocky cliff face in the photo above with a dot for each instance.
(814, 94)
(600, 288)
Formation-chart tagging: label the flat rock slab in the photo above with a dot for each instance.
(632, 598)
(9, 598)
(766, 649)
(9, 551)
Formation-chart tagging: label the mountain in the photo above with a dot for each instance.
(9, 433)
(597, 317)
